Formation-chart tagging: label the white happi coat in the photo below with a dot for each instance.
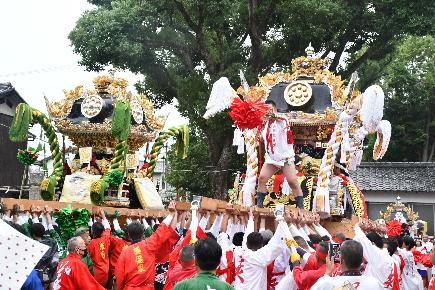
(358, 282)
(411, 279)
(281, 149)
(251, 270)
(379, 263)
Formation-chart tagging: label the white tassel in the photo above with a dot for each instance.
(372, 108)
(220, 97)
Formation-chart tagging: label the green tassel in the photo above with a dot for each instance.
(118, 117)
(20, 124)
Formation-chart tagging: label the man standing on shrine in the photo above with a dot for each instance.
(136, 264)
(71, 272)
(207, 258)
(278, 143)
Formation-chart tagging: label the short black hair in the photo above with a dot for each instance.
(315, 239)
(254, 241)
(238, 239)
(135, 231)
(409, 242)
(326, 238)
(352, 254)
(399, 240)
(391, 246)
(211, 236)
(37, 230)
(301, 241)
(208, 254)
(97, 230)
(376, 239)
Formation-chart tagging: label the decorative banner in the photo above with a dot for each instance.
(77, 188)
(132, 161)
(19, 255)
(147, 193)
(85, 155)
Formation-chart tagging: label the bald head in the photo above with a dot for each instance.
(187, 254)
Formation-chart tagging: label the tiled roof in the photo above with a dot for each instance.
(395, 176)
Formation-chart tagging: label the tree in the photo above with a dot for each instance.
(182, 46)
(408, 78)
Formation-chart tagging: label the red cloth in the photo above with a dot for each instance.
(279, 179)
(421, 258)
(72, 274)
(306, 279)
(98, 250)
(136, 264)
(116, 247)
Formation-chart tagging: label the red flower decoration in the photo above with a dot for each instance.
(315, 179)
(71, 214)
(394, 228)
(243, 176)
(248, 114)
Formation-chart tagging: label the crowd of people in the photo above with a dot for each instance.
(226, 252)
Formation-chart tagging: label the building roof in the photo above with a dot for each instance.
(395, 176)
(8, 90)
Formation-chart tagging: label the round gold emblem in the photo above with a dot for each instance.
(297, 93)
(91, 106)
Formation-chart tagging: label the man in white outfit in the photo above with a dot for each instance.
(379, 263)
(251, 270)
(351, 255)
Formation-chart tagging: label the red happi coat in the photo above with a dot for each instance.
(116, 247)
(72, 274)
(98, 250)
(136, 264)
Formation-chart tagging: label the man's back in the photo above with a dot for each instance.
(351, 282)
(203, 281)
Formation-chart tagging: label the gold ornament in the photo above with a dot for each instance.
(298, 93)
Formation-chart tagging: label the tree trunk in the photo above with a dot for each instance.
(220, 156)
(426, 156)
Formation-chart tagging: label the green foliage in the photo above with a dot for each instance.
(407, 76)
(69, 220)
(115, 178)
(182, 47)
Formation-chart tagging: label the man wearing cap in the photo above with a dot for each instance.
(278, 141)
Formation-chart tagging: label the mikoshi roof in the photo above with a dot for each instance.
(395, 176)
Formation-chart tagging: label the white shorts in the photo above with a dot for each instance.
(269, 160)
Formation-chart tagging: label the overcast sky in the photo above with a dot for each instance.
(35, 52)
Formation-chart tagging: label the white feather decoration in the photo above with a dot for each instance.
(221, 97)
(243, 81)
(382, 140)
(372, 108)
